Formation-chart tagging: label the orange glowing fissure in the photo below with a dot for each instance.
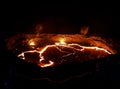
(62, 44)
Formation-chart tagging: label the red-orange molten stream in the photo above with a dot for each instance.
(59, 52)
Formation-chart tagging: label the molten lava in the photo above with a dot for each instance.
(31, 43)
(62, 52)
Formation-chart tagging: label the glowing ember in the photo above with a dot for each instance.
(61, 52)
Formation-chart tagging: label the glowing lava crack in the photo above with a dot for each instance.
(58, 53)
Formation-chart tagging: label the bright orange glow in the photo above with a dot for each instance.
(91, 48)
(61, 42)
(31, 43)
(46, 64)
(22, 56)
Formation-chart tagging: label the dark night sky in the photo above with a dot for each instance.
(59, 18)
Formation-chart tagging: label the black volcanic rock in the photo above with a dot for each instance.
(32, 57)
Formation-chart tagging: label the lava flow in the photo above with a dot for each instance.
(62, 52)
